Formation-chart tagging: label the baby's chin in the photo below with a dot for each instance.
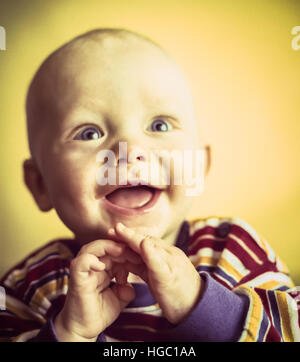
(95, 225)
(96, 221)
(87, 235)
(146, 230)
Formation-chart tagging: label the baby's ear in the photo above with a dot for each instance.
(34, 181)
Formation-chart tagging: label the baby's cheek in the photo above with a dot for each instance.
(72, 183)
(73, 174)
(180, 204)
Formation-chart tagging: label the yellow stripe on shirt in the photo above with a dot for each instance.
(19, 274)
(285, 319)
(254, 316)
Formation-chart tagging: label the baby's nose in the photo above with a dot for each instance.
(139, 157)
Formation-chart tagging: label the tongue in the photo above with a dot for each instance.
(131, 197)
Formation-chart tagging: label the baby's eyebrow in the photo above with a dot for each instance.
(75, 120)
(79, 114)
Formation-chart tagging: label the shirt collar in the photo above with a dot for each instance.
(182, 240)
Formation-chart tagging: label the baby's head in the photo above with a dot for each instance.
(102, 88)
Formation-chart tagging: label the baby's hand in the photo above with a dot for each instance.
(170, 275)
(91, 305)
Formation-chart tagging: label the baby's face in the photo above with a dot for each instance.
(97, 100)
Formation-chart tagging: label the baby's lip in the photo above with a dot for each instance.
(136, 183)
(121, 209)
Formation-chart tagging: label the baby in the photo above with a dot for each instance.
(136, 270)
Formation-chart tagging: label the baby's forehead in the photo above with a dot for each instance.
(117, 70)
(106, 53)
(112, 60)
(98, 71)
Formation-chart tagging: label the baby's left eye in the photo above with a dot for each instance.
(160, 125)
(88, 134)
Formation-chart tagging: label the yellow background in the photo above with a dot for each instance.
(245, 78)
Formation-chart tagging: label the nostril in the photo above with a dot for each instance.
(122, 160)
(140, 158)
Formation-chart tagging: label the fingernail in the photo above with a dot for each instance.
(124, 229)
(121, 226)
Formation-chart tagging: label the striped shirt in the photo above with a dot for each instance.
(248, 294)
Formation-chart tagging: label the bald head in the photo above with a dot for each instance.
(102, 88)
(106, 48)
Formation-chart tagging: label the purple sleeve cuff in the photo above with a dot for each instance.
(47, 332)
(218, 317)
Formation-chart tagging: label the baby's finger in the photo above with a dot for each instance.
(121, 275)
(125, 293)
(103, 281)
(101, 247)
(155, 257)
(139, 270)
(107, 261)
(85, 263)
(153, 253)
(128, 236)
(132, 256)
(129, 254)
(112, 234)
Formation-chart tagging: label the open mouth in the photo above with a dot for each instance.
(133, 199)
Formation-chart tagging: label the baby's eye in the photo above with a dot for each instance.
(160, 125)
(90, 133)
